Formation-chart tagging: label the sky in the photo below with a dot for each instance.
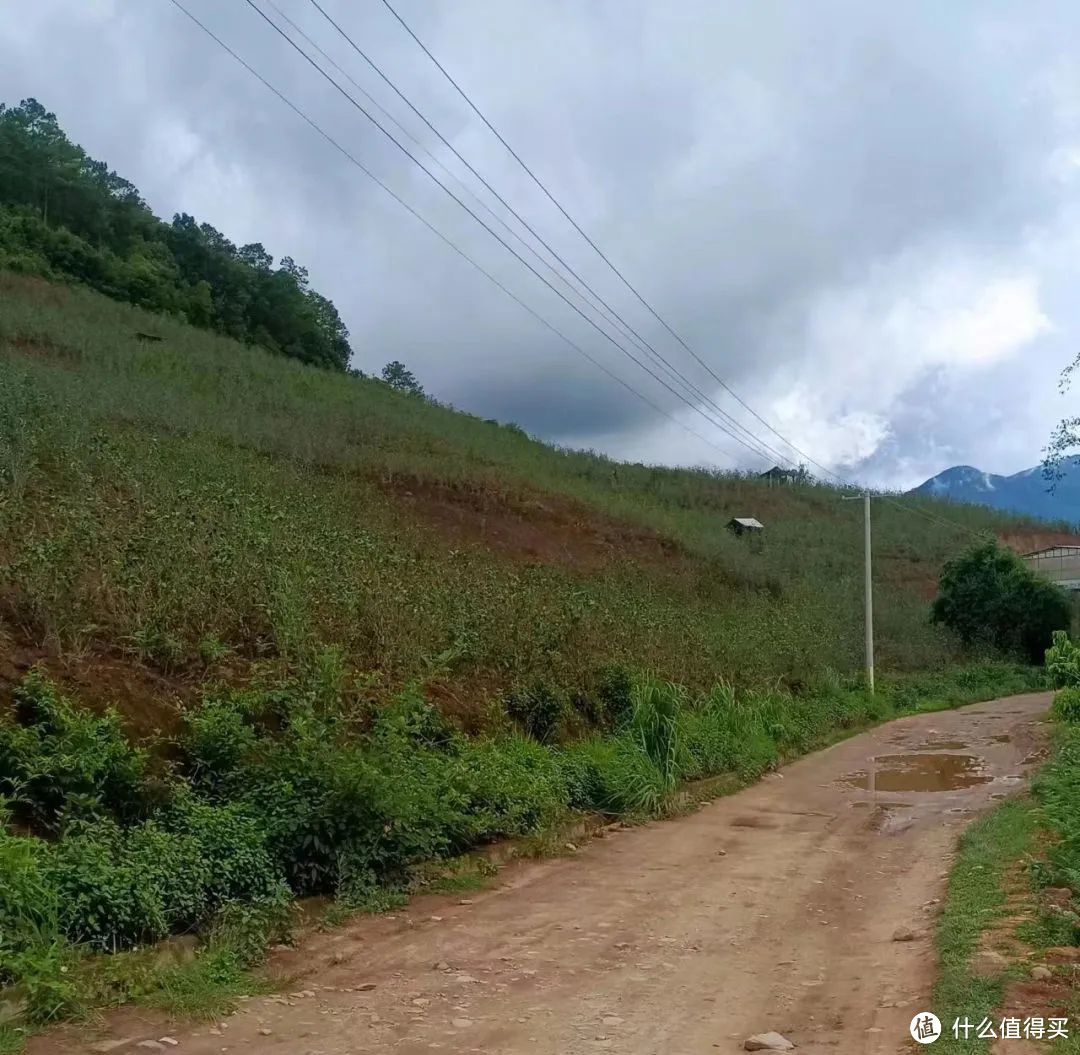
(863, 218)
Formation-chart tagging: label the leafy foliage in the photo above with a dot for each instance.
(988, 596)
(1066, 706)
(397, 376)
(1063, 661)
(58, 763)
(65, 215)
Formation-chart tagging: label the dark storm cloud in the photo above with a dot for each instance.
(841, 206)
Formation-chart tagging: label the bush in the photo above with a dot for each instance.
(613, 775)
(103, 898)
(538, 711)
(989, 597)
(58, 763)
(233, 845)
(1063, 661)
(1067, 705)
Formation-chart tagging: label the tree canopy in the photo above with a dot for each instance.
(65, 216)
(990, 597)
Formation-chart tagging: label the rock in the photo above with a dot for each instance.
(767, 1042)
(171, 1041)
(13, 1008)
(571, 847)
(461, 1023)
(365, 987)
(264, 1032)
(150, 1045)
(421, 1001)
(442, 965)
(903, 934)
(612, 1020)
(1059, 896)
(436, 919)
(987, 963)
(176, 952)
(1041, 974)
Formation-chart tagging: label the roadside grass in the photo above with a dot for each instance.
(975, 899)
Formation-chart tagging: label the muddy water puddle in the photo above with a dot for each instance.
(920, 771)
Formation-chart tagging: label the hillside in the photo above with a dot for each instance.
(251, 609)
(185, 509)
(1024, 492)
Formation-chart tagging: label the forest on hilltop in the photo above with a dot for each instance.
(66, 216)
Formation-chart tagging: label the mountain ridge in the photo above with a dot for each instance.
(1025, 492)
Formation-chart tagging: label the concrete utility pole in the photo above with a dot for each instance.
(868, 585)
(868, 589)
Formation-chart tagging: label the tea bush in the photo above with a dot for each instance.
(57, 762)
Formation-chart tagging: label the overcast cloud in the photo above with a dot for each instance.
(862, 215)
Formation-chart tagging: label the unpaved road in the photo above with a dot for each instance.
(772, 909)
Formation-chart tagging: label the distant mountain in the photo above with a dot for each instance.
(1024, 492)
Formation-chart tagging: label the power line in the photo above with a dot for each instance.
(446, 190)
(442, 237)
(761, 448)
(604, 308)
(558, 205)
(419, 145)
(626, 282)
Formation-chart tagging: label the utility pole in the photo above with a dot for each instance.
(868, 586)
(868, 589)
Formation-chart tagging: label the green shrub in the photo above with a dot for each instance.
(233, 845)
(58, 763)
(513, 786)
(1057, 787)
(614, 690)
(989, 597)
(613, 775)
(538, 711)
(1066, 706)
(1063, 661)
(103, 899)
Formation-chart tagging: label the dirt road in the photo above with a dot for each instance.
(772, 909)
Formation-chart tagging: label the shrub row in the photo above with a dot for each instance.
(278, 791)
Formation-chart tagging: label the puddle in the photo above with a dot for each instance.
(920, 772)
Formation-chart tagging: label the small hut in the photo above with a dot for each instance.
(745, 526)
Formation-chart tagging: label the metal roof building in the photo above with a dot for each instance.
(1059, 564)
(740, 525)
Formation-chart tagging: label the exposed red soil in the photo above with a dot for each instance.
(33, 288)
(31, 348)
(528, 526)
(1029, 541)
(148, 702)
